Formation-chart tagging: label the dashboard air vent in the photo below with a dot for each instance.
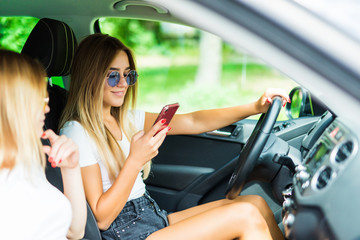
(344, 151)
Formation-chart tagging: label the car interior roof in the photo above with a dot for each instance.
(78, 14)
(68, 9)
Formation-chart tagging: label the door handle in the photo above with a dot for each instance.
(219, 133)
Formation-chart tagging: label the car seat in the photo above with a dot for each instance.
(53, 43)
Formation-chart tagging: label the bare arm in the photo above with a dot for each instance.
(64, 154)
(73, 190)
(208, 120)
(107, 205)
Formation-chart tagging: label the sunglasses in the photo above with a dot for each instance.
(113, 78)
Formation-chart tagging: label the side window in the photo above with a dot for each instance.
(13, 34)
(14, 31)
(195, 68)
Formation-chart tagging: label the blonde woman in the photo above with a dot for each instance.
(30, 207)
(116, 144)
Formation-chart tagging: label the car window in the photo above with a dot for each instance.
(197, 69)
(13, 34)
(14, 31)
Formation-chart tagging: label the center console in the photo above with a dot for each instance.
(320, 168)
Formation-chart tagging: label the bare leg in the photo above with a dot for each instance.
(239, 220)
(255, 200)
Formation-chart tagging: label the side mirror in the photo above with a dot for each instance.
(303, 105)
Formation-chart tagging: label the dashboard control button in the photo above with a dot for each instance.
(289, 220)
(288, 204)
(302, 176)
(305, 184)
(300, 168)
(339, 135)
(287, 193)
(334, 132)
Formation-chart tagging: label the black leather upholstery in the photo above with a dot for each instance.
(58, 98)
(53, 43)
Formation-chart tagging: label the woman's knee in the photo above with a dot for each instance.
(247, 215)
(258, 202)
(244, 210)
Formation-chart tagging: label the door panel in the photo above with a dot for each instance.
(192, 169)
(187, 167)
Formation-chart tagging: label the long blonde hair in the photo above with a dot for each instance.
(85, 101)
(22, 93)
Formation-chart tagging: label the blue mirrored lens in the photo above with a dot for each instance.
(113, 79)
(131, 77)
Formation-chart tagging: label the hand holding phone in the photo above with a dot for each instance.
(167, 113)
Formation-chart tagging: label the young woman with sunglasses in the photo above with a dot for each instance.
(117, 143)
(30, 207)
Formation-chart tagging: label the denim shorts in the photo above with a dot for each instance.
(139, 218)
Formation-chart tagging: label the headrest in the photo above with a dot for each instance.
(53, 43)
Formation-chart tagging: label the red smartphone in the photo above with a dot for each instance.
(167, 113)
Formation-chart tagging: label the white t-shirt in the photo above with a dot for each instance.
(89, 154)
(32, 208)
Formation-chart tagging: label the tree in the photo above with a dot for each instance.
(210, 62)
(139, 35)
(14, 31)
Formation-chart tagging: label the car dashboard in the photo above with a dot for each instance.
(323, 197)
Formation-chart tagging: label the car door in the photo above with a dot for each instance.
(191, 169)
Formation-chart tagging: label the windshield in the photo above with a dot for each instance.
(344, 14)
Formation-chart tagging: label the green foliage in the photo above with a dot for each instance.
(14, 31)
(58, 81)
(13, 34)
(149, 37)
(138, 35)
(296, 104)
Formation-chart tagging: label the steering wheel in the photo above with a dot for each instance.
(253, 148)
